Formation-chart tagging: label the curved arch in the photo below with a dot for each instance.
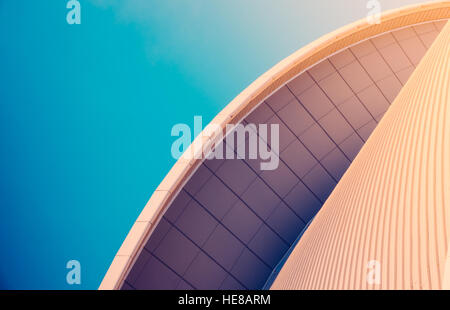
(242, 106)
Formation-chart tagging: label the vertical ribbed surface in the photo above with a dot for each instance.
(393, 203)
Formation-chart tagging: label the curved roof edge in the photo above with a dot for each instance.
(243, 104)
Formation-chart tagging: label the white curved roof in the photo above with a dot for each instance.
(225, 224)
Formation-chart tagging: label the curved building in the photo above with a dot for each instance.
(228, 224)
(387, 223)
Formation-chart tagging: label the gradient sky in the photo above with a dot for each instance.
(86, 111)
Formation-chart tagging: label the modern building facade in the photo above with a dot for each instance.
(390, 212)
(227, 224)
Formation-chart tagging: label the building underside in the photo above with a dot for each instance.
(227, 224)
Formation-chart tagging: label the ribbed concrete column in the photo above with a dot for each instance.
(388, 219)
